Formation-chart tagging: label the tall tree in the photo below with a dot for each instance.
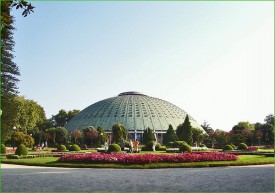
(119, 133)
(148, 136)
(269, 119)
(90, 135)
(206, 126)
(197, 135)
(26, 115)
(102, 136)
(9, 69)
(170, 135)
(62, 117)
(184, 131)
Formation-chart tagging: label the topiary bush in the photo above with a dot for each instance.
(227, 147)
(233, 146)
(149, 146)
(177, 144)
(185, 148)
(74, 148)
(170, 144)
(21, 150)
(202, 145)
(127, 144)
(242, 146)
(84, 146)
(3, 149)
(114, 148)
(68, 146)
(61, 148)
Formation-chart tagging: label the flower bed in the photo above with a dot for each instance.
(251, 148)
(147, 158)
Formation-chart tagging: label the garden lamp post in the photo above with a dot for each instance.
(14, 128)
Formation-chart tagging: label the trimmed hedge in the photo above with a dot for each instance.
(61, 148)
(202, 145)
(74, 148)
(177, 144)
(232, 145)
(169, 144)
(21, 150)
(185, 148)
(114, 148)
(242, 146)
(227, 147)
(3, 149)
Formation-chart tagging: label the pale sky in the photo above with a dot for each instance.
(215, 60)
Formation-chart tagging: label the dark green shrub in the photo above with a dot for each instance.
(227, 147)
(21, 150)
(3, 149)
(12, 156)
(169, 144)
(177, 144)
(233, 146)
(202, 145)
(114, 148)
(185, 148)
(74, 148)
(150, 144)
(127, 144)
(84, 146)
(242, 146)
(61, 148)
(162, 148)
(68, 146)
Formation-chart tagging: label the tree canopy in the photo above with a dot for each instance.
(170, 135)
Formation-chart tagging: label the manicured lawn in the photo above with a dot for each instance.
(52, 161)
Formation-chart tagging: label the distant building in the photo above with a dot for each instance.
(136, 111)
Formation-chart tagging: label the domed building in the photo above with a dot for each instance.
(136, 111)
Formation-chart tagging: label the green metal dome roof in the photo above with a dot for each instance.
(132, 109)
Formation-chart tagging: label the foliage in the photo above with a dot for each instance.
(74, 148)
(21, 150)
(148, 136)
(21, 138)
(185, 148)
(170, 135)
(177, 144)
(102, 136)
(242, 146)
(62, 117)
(9, 69)
(76, 135)
(90, 135)
(197, 135)
(202, 145)
(252, 148)
(56, 135)
(233, 146)
(23, 113)
(3, 149)
(119, 133)
(169, 144)
(114, 148)
(147, 158)
(269, 119)
(61, 148)
(12, 156)
(149, 146)
(184, 131)
(228, 147)
(206, 127)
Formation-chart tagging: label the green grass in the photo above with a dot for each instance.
(53, 161)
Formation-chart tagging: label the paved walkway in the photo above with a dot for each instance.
(217, 179)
